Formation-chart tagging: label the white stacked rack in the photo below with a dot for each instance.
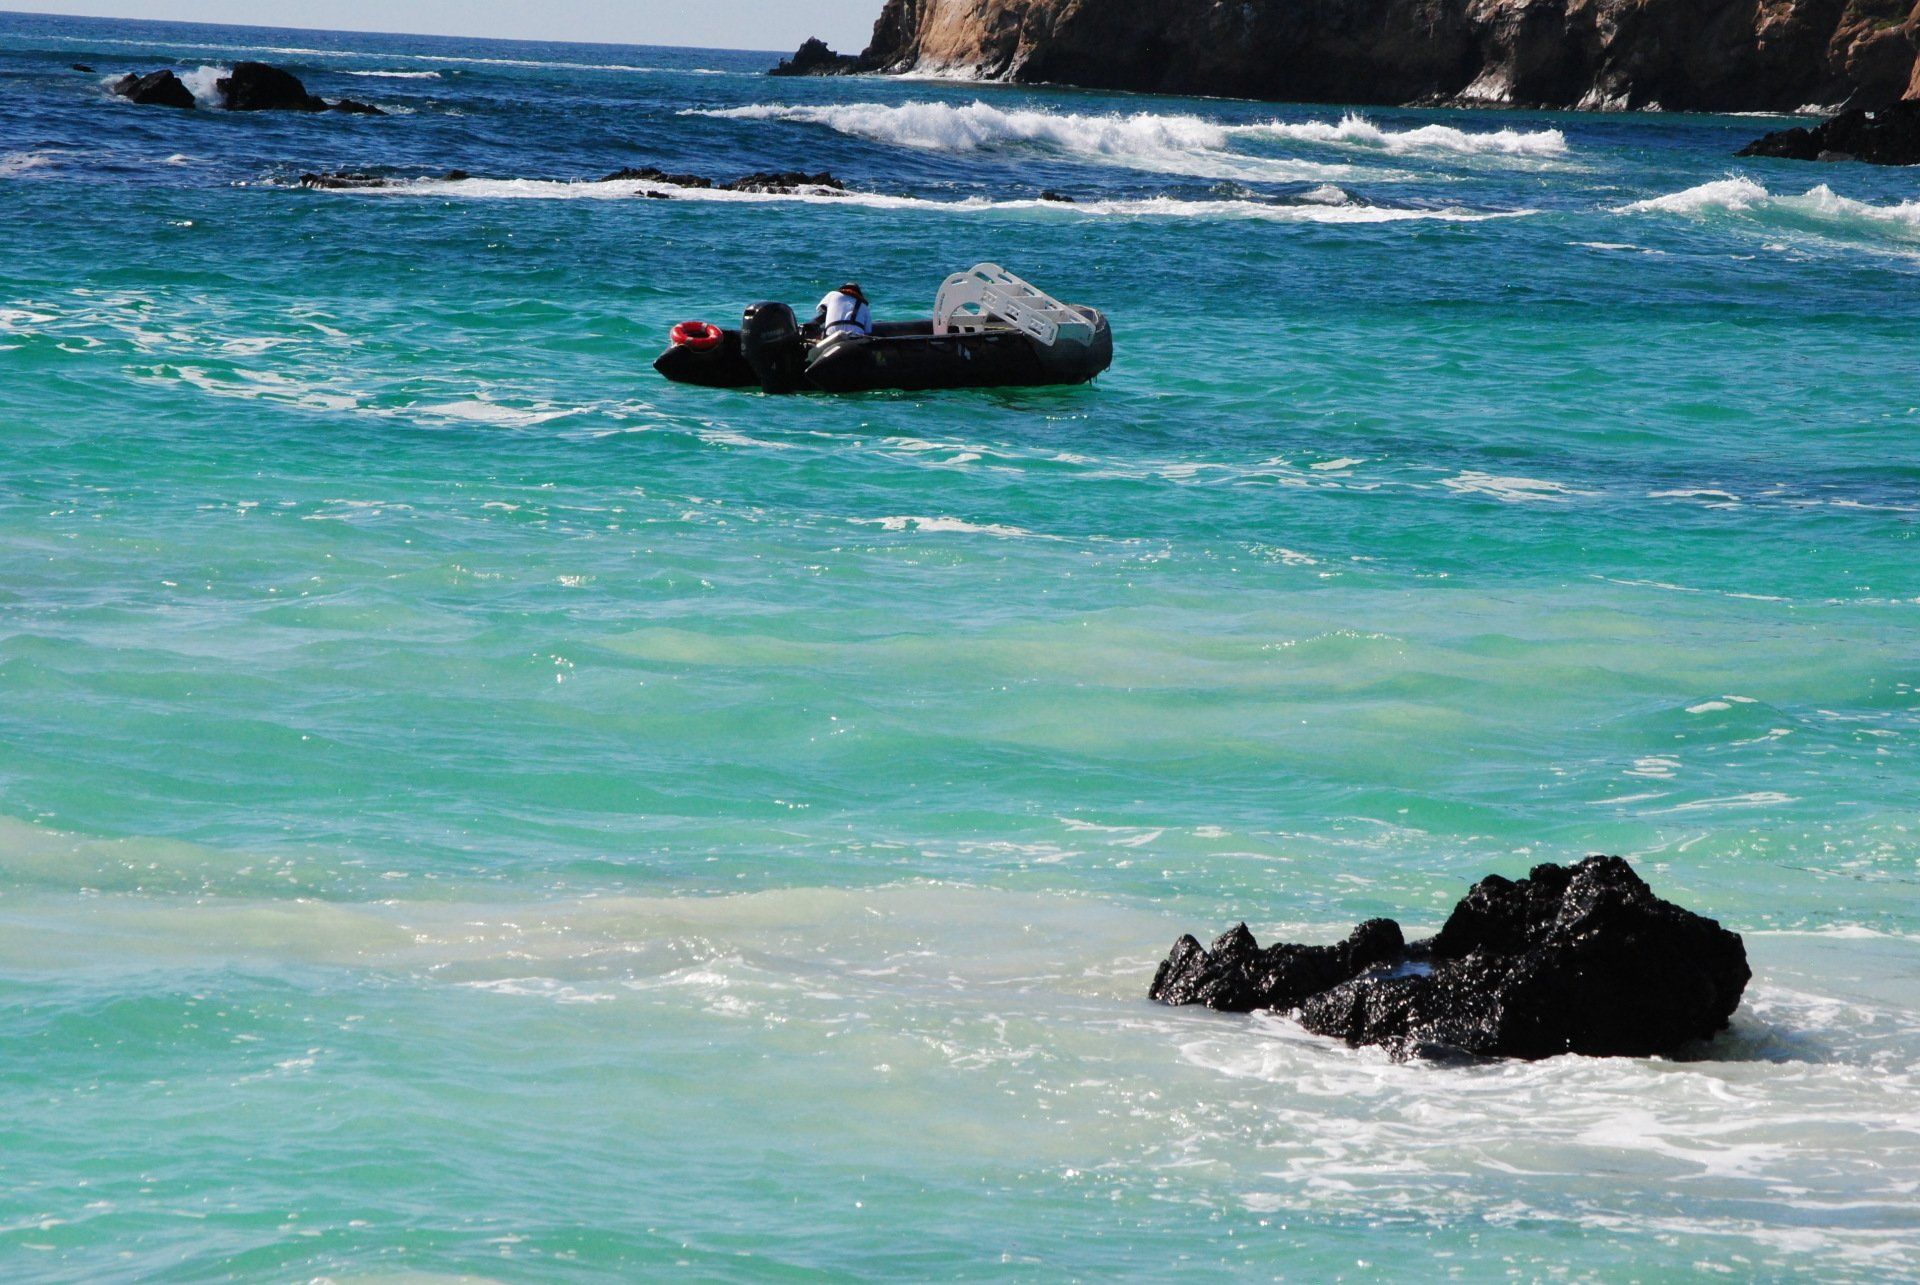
(972, 301)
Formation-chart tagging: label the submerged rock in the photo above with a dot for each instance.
(1572, 959)
(80, 66)
(1049, 194)
(1889, 136)
(781, 182)
(347, 180)
(814, 58)
(155, 89)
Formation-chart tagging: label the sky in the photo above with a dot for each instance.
(716, 24)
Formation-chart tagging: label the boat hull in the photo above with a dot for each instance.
(903, 356)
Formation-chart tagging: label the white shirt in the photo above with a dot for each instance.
(844, 312)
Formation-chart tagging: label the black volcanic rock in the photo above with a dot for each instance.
(249, 87)
(783, 182)
(348, 180)
(1888, 136)
(259, 87)
(1236, 976)
(338, 180)
(155, 89)
(813, 58)
(1050, 195)
(650, 174)
(80, 66)
(1571, 959)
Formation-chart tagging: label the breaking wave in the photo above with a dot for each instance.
(1357, 131)
(1168, 144)
(1145, 140)
(203, 83)
(1819, 209)
(1315, 209)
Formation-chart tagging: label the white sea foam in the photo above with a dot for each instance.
(12, 163)
(480, 411)
(1513, 490)
(951, 526)
(1172, 142)
(397, 75)
(1149, 207)
(203, 83)
(1175, 144)
(1819, 209)
(1357, 131)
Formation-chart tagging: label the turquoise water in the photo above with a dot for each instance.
(470, 807)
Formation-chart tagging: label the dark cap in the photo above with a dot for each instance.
(853, 288)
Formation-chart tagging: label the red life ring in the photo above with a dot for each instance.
(697, 335)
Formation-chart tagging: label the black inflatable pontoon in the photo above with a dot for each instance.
(989, 329)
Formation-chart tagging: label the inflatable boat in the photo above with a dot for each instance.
(989, 329)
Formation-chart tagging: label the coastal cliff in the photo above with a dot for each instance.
(1681, 55)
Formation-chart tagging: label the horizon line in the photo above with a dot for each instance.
(370, 31)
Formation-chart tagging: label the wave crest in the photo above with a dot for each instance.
(203, 83)
(1174, 143)
(1819, 209)
(1165, 143)
(1357, 131)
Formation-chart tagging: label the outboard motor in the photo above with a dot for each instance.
(770, 341)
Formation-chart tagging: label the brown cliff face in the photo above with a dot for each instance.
(1683, 55)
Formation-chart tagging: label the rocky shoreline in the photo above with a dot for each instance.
(1890, 136)
(1679, 55)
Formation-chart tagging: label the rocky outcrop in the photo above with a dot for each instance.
(651, 174)
(260, 87)
(1236, 976)
(1705, 55)
(249, 87)
(348, 180)
(1889, 136)
(1571, 959)
(155, 89)
(782, 182)
(813, 58)
(785, 182)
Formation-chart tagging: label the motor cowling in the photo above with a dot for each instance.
(770, 341)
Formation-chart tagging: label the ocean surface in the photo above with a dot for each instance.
(470, 807)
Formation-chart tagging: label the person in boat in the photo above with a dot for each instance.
(844, 312)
